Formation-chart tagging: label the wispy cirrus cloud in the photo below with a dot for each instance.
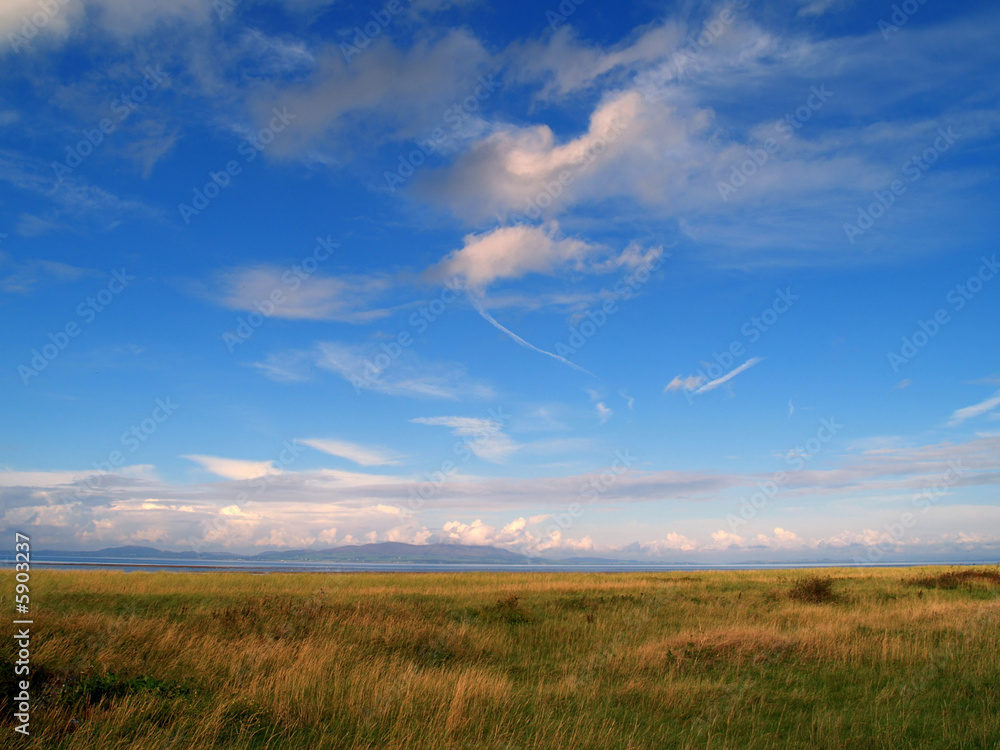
(713, 384)
(697, 384)
(66, 203)
(690, 383)
(360, 454)
(976, 410)
(398, 92)
(233, 468)
(487, 439)
(366, 367)
(25, 276)
(317, 296)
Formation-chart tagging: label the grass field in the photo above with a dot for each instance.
(849, 658)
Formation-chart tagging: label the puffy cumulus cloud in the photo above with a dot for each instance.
(518, 524)
(475, 533)
(285, 538)
(680, 139)
(510, 253)
(251, 499)
(865, 537)
(516, 251)
(537, 157)
(555, 541)
(724, 539)
(485, 437)
(781, 539)
(234, 511)
(205, 520)
(672, 542)
(518, 535)
(523, 169)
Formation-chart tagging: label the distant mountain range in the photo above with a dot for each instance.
(382, 552)
(425, 554)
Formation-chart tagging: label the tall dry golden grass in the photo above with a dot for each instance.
(510, 660)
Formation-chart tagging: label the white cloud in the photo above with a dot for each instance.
(359, 454)
(713, 384)
(283, 293)
(516, 251)
(312, 507)
(487, 438)
(724, 539)
(73, 202)
(293, 366)
(233, 468)
(397, 94)
(119, 17)
(511, 253)
(23, 277)
(672, 542)
(821, 7)
(57, 479)
(687, 384)
(477, 303)
(16, 17)
(477, 533)
(781, 538)
(514, 166)
(518, 536)
(976, 410)
(603, 412)
(370, 368)
(567, 65)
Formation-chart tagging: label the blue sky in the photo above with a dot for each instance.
(667, 281)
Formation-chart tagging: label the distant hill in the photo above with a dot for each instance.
(400, 552)
(381, 552)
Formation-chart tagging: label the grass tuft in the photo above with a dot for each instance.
(953, 579)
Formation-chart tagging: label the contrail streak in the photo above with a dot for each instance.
(522, 342)
(728, 376)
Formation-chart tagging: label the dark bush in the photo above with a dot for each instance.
(815, 589)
